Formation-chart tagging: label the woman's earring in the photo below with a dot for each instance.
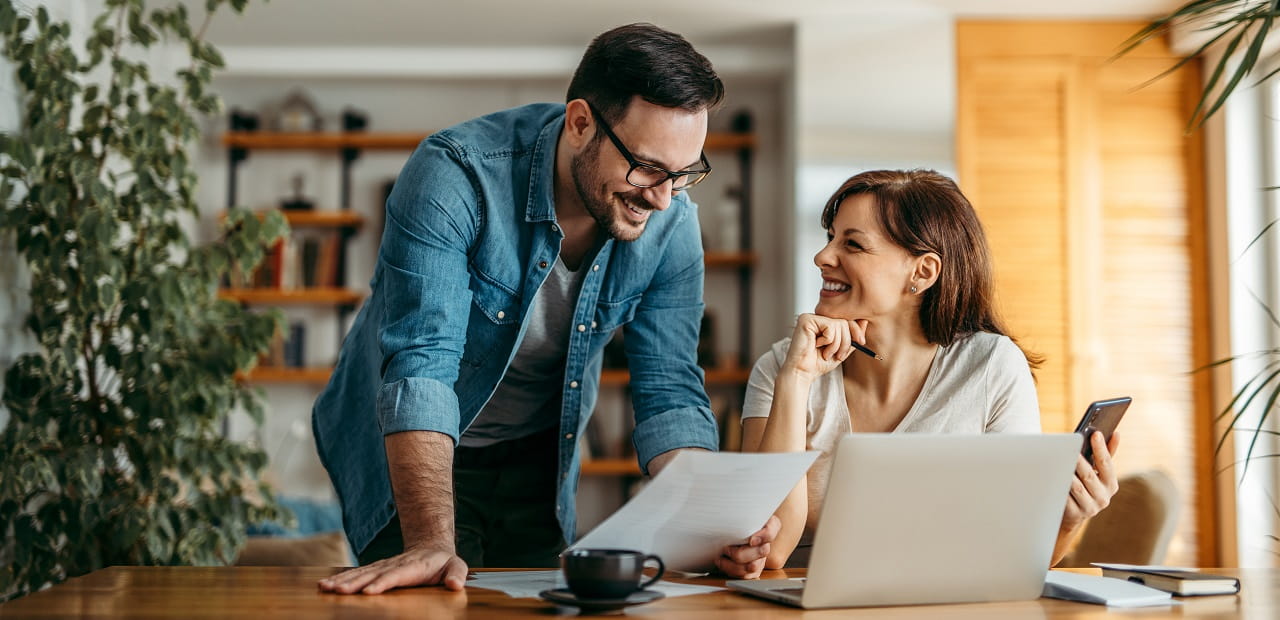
(913, 289)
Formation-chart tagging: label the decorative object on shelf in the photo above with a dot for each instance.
(354, 120)
(297, 202)
(298, 113)
(707, 340)
(729, 221)
(242, 120)
(295, 346)
(114, 451)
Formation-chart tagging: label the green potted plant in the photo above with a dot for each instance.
(114, 452)
(1236, 31)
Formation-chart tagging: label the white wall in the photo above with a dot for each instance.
(872, 93)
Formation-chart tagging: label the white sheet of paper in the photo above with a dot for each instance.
(528, 583)
(701, 502)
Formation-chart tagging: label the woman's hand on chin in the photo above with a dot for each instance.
(819, 344)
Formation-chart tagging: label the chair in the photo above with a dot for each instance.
(1135, 528)
(327, 549)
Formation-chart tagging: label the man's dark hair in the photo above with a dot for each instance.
(642, 59)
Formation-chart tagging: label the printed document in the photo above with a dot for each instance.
(701, 502)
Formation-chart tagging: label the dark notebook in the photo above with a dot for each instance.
(1175, 581)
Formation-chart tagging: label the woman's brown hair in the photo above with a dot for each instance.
(923, 211)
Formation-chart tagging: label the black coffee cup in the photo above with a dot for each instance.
(607, 573)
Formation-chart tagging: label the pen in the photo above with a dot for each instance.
(867, 351)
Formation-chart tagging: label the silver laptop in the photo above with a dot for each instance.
(912, 519)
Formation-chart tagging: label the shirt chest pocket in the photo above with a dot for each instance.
(493, 323)
(610, 315)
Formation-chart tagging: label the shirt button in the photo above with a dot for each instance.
(543, 264)
(502, 314)
(595, 267)
(582, 328)
(593, 325)
(573, 384)
(568, 435)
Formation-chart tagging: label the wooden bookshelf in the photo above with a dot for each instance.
(714, 376)
(370, 140)
(729, 259)
(332, 218)
(724, 141)
(293, 297)
(275, 374)
(287, 141)
(327, 218)
(610, 467)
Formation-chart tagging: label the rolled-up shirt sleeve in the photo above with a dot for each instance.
(431, 223)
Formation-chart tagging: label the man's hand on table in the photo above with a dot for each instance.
(415, 567)
(747, 561)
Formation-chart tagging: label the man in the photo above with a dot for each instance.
(514, 245)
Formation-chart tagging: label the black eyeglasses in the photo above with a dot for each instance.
(644, 174)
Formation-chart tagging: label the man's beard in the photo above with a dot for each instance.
(590, 185)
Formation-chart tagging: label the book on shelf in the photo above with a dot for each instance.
(1179, 581)
(288, 275)
(327, 261)
(309, 255)
(294, 263)
(275, 353)
(294, 346)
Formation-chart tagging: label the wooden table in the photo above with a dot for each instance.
(265, 593)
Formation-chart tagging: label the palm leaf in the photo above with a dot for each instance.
(1242, 461)
(1265, 308)
(1245, 407)
(1228, 360)
(1231, 406)
(1262, 419)
(1260, 234)
(1264, 431)
(1187, 12)
(1185, 59)
(1213, 80)
(1245, 66)
(1229, 19)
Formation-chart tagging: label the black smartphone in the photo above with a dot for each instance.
(1102, 416)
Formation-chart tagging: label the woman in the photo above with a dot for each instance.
(906, 271)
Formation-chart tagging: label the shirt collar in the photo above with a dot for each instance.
(541, 202)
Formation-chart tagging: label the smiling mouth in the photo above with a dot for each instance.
(834, 287)
(637, 214)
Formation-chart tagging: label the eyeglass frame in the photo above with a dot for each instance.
(636, 163)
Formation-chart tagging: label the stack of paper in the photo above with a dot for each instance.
(701, 502)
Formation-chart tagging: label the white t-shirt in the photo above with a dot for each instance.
(981, 383)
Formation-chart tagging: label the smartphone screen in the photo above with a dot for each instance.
(1102, 416)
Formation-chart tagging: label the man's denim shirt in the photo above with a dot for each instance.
(469, 237)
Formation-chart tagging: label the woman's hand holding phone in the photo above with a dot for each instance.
(1094, 484)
